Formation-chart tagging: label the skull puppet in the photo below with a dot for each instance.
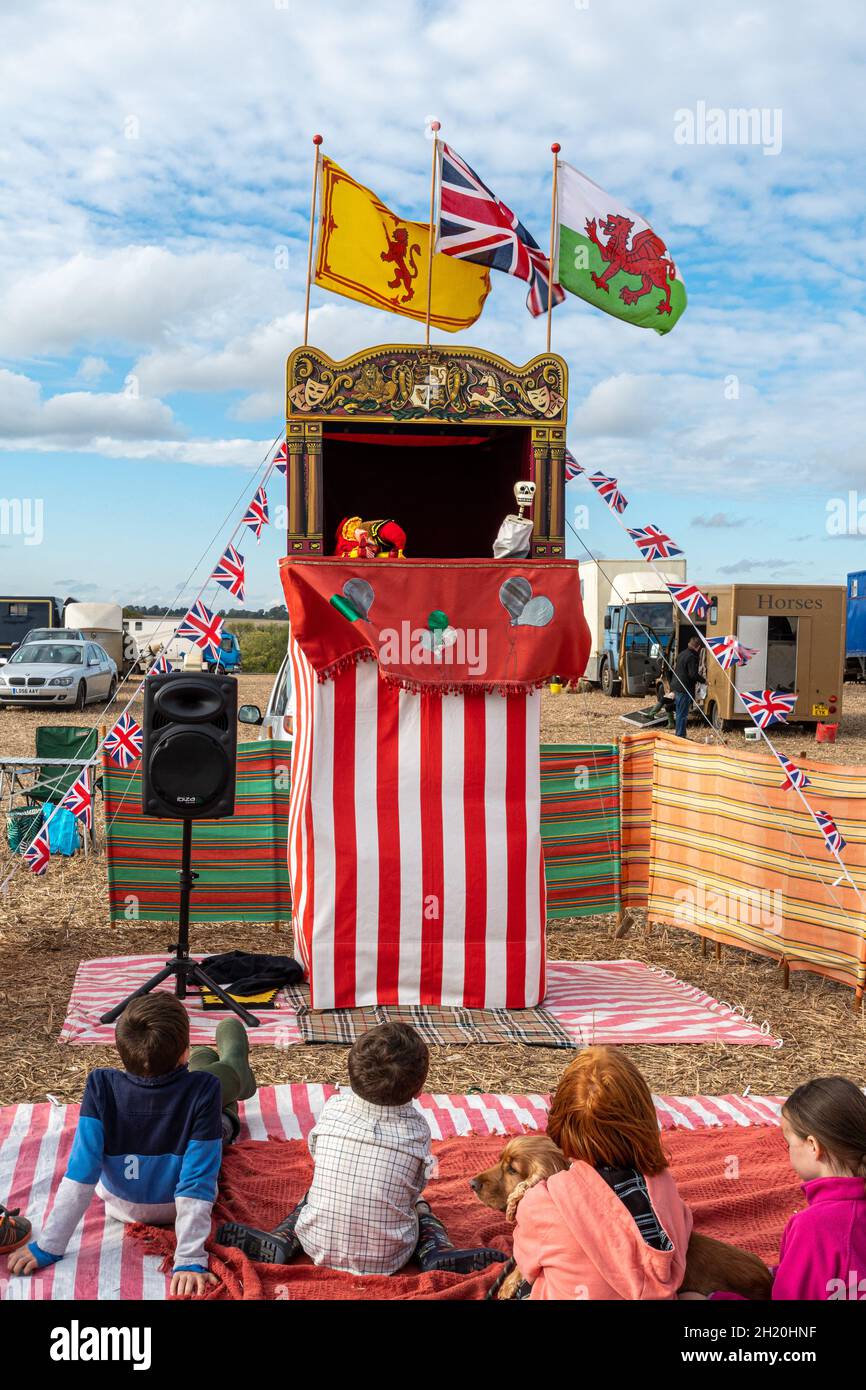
(524, 494)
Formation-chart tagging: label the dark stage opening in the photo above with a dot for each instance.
(448, 487)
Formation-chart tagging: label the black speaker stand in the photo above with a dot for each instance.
(184, 969)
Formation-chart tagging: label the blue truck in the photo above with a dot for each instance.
(855, 639)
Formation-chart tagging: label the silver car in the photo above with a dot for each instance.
(278, 720)
(71, 674)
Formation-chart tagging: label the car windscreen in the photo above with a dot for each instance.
(48, 654)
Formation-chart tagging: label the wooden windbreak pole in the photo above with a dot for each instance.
(554, 149)
(317, 140)
(435, 127)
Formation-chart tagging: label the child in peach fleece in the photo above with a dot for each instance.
(613, 1225)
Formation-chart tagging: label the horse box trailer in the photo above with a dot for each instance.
(798, 633)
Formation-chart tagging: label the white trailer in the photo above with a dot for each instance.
(629, 613)
(152, 634)
(103, 623)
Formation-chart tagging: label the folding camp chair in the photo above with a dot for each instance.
(66, 742)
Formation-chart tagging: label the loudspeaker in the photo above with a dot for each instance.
(189, 752)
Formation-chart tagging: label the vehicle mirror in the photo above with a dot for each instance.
(655, 651)
(607, 622)
(249, 714)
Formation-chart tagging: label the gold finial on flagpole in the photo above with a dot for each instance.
(554, 149)
(435, 127)
(317, 140)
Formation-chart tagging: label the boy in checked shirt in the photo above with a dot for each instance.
(371, 1153)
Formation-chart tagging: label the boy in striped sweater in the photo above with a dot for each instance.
(149, 1139)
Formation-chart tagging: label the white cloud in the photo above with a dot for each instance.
(74, 419)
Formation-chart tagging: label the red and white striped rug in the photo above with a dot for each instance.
(621, 1001)
(35, 1142)
(615, 1001)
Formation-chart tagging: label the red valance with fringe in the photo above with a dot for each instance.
(452, 626)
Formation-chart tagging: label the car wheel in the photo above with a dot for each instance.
(715, 715)
(609, 685)
(112, 690)
(81, 696)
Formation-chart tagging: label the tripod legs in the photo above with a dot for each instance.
(180, 965)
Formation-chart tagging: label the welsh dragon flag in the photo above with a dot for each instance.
(612, 258)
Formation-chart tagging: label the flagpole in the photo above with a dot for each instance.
(435, 127)
(554, 149)
(317, 140)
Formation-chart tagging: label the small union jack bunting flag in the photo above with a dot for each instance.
(693, 603)
(230, 572)
(572, 467)
(123, 742)
(38, 852)
(608, 488)
(795, 777)
(834, 841)
(79, 799)
(204, 627)
(161, 667)
(257, 513)
(768, 706)
(653, 544)
(281, 458)
(729, 652)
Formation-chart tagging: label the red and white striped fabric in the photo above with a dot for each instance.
(414, 843)
(100, 1263)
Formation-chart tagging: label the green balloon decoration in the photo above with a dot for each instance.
(437, 620)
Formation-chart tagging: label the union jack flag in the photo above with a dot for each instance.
(230, 572)
(572, 467)
(653, 544)
(795, 777)
(475, 226)
(38, 852)
(281, 458)
(608, 488)
(204, 627)
(161, 667)
(768, 706)
(123, 742)
(79, 799)
(729, 652)
(693, 603)
(834, 841)
(257, 513)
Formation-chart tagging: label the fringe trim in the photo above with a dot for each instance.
(428, 687)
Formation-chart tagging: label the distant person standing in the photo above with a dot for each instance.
(685, 682)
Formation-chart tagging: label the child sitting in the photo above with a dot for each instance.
(613, 1225)
(149, 1138)
(822, 1256)
(363, 1212)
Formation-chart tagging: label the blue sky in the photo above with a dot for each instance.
(154, 185)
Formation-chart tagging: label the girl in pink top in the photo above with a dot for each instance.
(822, 1256)
(612, 1226)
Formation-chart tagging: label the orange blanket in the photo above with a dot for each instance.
(738, 1183)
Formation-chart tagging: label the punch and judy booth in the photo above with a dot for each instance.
(417, 658)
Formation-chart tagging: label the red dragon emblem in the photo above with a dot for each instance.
(647, 258)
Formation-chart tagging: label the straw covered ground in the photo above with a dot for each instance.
(48, 925)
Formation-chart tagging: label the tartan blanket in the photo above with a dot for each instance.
(242, 861)
(439, 1026)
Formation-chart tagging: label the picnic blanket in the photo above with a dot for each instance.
(439, 1026)
(242, 861)
(586, 1002)
(259, 1184)
(100, 1263)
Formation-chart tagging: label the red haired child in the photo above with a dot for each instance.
(612, 1225)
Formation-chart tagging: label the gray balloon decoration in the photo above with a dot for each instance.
(536, 613)
(360, 595)
(514, 596)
